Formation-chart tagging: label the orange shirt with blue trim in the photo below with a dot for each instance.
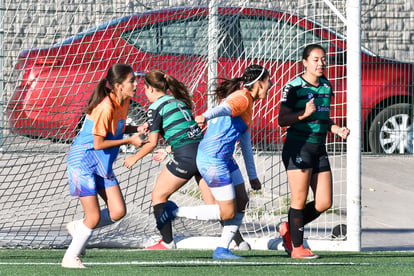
(107, 119)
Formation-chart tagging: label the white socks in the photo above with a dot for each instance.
(201, 212)
(230, 228)
(82, 233)
(79, 239)
(212, 212)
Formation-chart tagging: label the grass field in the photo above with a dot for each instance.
(199, 262)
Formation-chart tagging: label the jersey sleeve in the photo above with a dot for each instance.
(222, 109)
(238, 104)
(154, 120)
(246, 147)
(102, 118)
(289, 96)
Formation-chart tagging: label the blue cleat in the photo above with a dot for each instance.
(168, 214)
(224, 253)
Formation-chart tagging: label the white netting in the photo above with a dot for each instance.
(40, 122)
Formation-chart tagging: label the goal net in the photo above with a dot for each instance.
(53, 54)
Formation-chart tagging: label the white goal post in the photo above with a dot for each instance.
(46, 88)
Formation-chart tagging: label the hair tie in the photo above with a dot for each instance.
(258, 78)
(108, 85)
(166, 77)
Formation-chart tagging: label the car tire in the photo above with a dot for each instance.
(391, 130)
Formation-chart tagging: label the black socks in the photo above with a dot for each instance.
(166, 231)
(298, 219)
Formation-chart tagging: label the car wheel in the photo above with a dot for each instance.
(136, 117)
(392, 130)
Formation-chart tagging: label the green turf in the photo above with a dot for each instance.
(199, 262)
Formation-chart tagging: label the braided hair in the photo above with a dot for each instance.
(250, 76)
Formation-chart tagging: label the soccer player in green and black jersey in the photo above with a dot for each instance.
(169, 116)
(305, 110)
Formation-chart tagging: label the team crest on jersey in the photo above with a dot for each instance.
(298, 159)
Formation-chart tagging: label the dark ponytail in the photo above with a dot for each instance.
(117, 73)
(163, 82)
(250, 76)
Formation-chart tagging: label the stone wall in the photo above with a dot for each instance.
(387, 25)
(388, 28)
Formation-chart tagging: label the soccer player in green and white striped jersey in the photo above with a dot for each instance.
(305, 110)
(169, 116)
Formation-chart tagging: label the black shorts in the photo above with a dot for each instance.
(301, 155)
(183, 161)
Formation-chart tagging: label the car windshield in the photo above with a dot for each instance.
(180, 37)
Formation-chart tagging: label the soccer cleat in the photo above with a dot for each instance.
(70, 227)
(283, 229)
(303, 253)
(224, 253)
(72, 262)
(244, 245)
(162, 245)
(167, 215)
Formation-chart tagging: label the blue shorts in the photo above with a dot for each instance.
(82, 183)
(217, 172)
(221, 175)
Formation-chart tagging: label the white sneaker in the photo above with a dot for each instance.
(72, 262)
(244, 245)
(70, 227)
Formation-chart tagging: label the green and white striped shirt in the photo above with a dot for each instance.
(174, 121)
(295, 95)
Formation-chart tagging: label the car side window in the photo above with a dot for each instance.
(180, 37)
(260, 38)
(144, 39)
(231, 43)
(277, 39)
(185, 37)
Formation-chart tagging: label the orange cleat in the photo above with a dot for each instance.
(283, 229)
(303, 253)
(162, 245)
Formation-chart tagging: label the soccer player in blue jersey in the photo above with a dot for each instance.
(93, 151)
(305, 109)
(228, 123)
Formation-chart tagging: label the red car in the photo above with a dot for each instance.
(55, 82)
